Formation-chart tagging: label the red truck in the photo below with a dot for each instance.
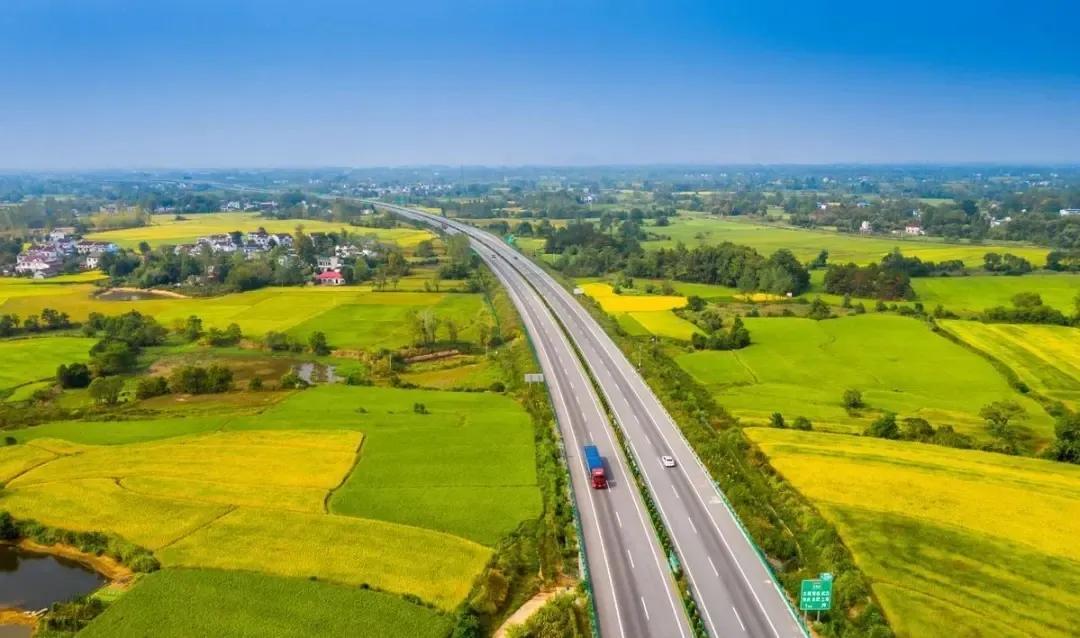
(595, 462)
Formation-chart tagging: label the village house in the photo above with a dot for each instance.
(1066, 212)
(330, 278)
(325, 264)
(866, 227)
(914, 229)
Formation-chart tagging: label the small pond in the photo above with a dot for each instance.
(33, 581)
(130, 295)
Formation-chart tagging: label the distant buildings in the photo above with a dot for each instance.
(330, 278)
(866, 227)
(1066, 212)
(48, 256)
(914, 229)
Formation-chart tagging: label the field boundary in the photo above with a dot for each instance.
(346, 476)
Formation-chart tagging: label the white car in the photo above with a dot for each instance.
(667, 461)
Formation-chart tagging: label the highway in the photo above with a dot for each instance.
(634, 592)
(734, 590)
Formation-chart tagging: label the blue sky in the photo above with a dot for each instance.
(111, 83)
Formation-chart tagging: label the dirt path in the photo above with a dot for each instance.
(528, 609)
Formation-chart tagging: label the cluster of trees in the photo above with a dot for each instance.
(872, 281)
(11, 324)
(711, 322)
(122, 338)
(915, 267)
(190, 379)
(1006, 264)
(776, 420)
(1028, 307)
(918, 429)
(725, 264)
(1063, 260)
(281, 342)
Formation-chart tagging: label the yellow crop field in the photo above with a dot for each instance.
(605, 295)
(664, 323)
(947, 536)
(1046, 358)
(249, 499)
(435, 566)
(166, 230)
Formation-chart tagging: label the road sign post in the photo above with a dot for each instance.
(816, 594)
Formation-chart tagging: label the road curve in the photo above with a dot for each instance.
(731, 584)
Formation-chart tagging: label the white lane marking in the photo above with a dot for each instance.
(675, 491)
(596, 402)
(618, 519)
(739, 619)
(631, 557)
(713, 565)
(643, 606)
(692, 524)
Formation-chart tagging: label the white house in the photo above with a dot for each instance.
(914, 229)
(866, 227)
(1065, 212)
(325, 264)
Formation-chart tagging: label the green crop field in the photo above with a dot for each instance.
(694, 229)
(26, 360)
(179, 603)
(955, 542)
(1046, 358)
(166, 230)
(218, 489)
(801, 367)
(975, 294)
(352, 317)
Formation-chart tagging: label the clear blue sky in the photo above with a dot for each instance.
(169, 83)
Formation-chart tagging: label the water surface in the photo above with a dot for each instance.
(33, 581)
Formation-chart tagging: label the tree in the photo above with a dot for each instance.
(853, 399)
(192, 328)
(219, 379)
(425, 249)
(451, 329)
(884, 427)
(9, 323)
(776, 420)
(112, 356)
(317, 343)
(695, 303)
(917, 429)
(1066, 446)
(76, 375)
(819, 310)
(106, 390)
(802, 423)
(1001, 417)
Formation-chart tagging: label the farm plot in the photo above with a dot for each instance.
(946, 536)
(643, 314)
(345, 314)
(800, 367)
(975, 294)
(695, 229)
(1046, 358)
(222, 499)
(165, 229)
(26, 360)
(178, 603)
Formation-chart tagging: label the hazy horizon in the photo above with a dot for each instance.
(119, 85)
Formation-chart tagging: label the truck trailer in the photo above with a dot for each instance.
(595, 462)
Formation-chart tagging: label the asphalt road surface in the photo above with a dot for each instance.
(734, 590)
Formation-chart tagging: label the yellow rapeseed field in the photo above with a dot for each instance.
(605, 295)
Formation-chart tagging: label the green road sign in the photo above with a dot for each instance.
(816, 594)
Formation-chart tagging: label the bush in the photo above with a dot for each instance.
(292, 381)
(106, 390)
(150, 387)
(884, 427)
(419, 408)
(76, 375)
(802, 423)
(497, 386)
(777, 420)
(853, 399)
(255, 384)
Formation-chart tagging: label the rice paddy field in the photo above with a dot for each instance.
(694, 229)
(956, 542)
(801, 367)
(975, 294)
(351, 316)
(352, 485)
(164, 229)
(178, 603)
(641, 314)
(33, 359)
(1046, 358)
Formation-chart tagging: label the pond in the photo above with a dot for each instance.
(130, 295)
(33, 581)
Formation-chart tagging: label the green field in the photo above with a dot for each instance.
(801, 367)
(226, 489)
(975, 294)
(179, 603)
(956, 542)
(166, 230)
(695, 229)
(352, 317)
(1046, 358)
(26, 360)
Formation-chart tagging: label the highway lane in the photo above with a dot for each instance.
(731, 584)
(634, 592)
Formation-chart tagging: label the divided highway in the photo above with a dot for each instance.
(734, 590)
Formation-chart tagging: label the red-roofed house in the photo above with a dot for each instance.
(330, 278)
